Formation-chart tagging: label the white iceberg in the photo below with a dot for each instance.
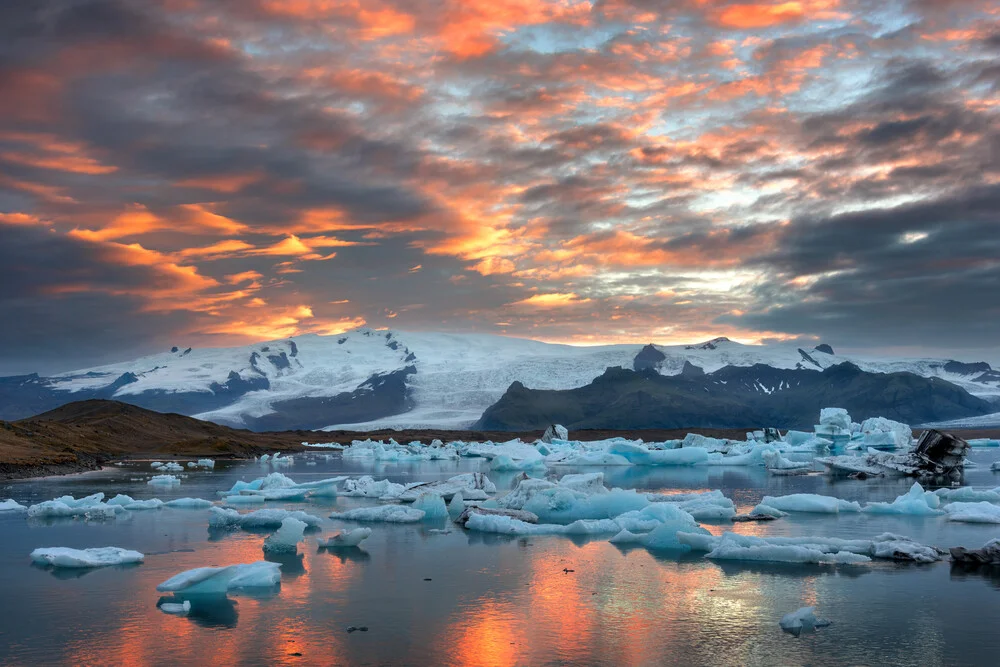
(470, 484)
(272, 518)
(245, 500)
(11, 505)
(219, 580)
(967, 494)
(810, 502)
(206, 463)
(286, 539)
(916, 502)
(835, 417)
(381, 513)
(84, 558)
(817, 549)
(347, 538)
(981, 512)
(367, 487)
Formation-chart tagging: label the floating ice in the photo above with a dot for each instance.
(89, 507)
(803, 619)
(206, 463)
(835, 417)
(11, 505)
(220, 517)
(177, 608)
(219, 580)
(968, 494)
(639, 454)
(189, 503)
(381, 513)
(810, 502)
(367, 487)
(470, 484)
(347, 538)
(286, 539)
(981, 512)
(916, 502)
(817, 549)
(506, 525)
(272, 518)
(82, 558)
(432, 505)
(164, 480)
(504, 463)
(456, 506)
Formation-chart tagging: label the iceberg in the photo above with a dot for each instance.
(381, 513)
(835, 417)
(468, 483)
(347, 538)
(220, 580)
(220, 517)
(802, 619)
(11, 505)
(89, 507)
(639, 454)
(824, 549)
(367, 487)
(189, 503)
(810, 502)
(981, 512)
(507, 525)
(85, 558)
(967, 494)
(916, 502)
(208, 464)
(432, 505)
(273, 518)
(286, 539)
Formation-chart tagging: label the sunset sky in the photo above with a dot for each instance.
(216, 172)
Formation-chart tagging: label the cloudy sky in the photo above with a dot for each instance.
(214, 172)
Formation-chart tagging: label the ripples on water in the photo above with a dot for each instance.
(491, 600)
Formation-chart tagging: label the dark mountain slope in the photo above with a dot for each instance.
(732, 397)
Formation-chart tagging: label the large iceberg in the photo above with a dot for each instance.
(84, 558)
(432, 505)
(219, 580)
(189, 503)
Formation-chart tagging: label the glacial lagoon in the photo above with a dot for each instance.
(431, 593)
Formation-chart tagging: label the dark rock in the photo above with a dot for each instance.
(824, 348)
(962, 368)
(294, 348)
(648, 358)
(753, 516)
(690, 370)
(173, 349)
(989, 554)
(280, 361)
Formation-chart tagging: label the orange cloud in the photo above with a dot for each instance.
(553, 300)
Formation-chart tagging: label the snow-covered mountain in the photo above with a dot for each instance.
(371, 379)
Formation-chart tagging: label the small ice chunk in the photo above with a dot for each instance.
(164, 480)
(219, 580)
(802, 619)
(11, 505)
(381, 513)
(347, 538)
(83, 558)
(176, 608)
(286, 539)
(220, 517)
(456, 506)
(206, 463)
(272, 518)
(189, 503)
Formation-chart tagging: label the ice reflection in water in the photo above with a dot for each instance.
(491, 600)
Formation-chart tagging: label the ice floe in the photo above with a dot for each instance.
(176, 608)
(346, 538)
(981, 512)
(11, 505)
(381, 513)
(810, 502)
(733, 546)
(432, 505)
(85, 558)
(189, 503)
(220, 580)
(164, 480)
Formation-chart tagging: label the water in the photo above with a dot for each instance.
(490, 600)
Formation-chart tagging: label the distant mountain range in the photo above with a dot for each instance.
(391, 379)
(732, 396)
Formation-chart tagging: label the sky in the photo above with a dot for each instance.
(218, 172)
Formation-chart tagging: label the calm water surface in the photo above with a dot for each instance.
(490, 600)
